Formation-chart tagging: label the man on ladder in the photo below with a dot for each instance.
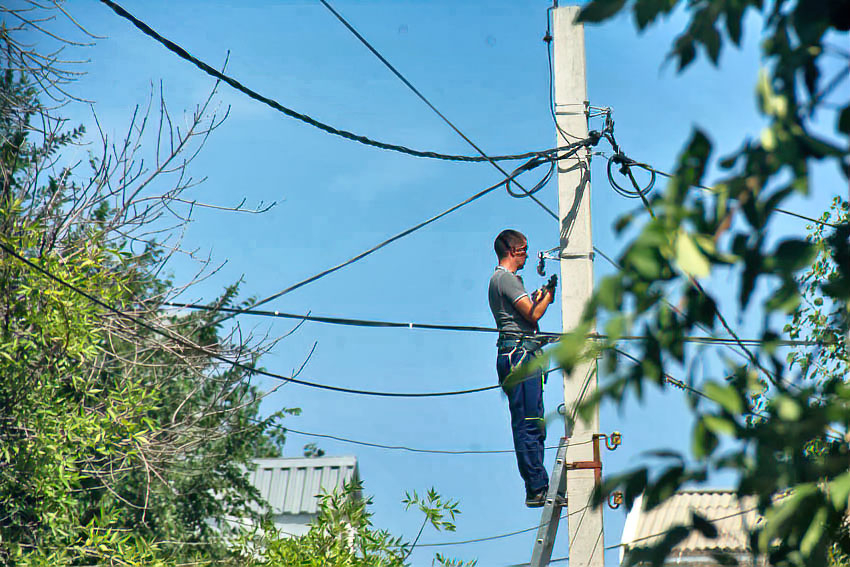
(516, 314)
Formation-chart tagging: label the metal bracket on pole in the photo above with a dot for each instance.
(595, 464)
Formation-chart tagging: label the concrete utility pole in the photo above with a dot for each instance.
(585, 527)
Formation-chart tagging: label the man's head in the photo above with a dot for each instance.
(511, 248)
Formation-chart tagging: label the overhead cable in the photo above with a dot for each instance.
(714, 191)
(621, 158)
(373, 323)
(683, 386)
(625, 164)
(209, 70)
(286, 429)
(669, 379)
(547, 39)
(659, 534)
(572, 148)
(736, 341)
(234, 363)
(491, 538)
(409, 85)
(641, 192)
(665, 532)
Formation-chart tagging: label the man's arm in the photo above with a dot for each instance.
(532, 308)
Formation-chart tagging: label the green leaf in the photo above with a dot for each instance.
(719, 425)
(600, 10)
(610, 293)
(839, 491)
(814, 534)
(686, 53)
(844, 120)
(664, 487)
(616, 327)
(734, 15)
(784, 512)
(703, 441)
(726, 395)
(793, 254)
(769, 102)
(647, 11)
(711, 40)
(645, 261)
(703, 525)
(785, 299)
(787, 408)
(689, 257)
(623, 223)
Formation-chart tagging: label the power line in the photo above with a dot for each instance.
(209, 70)
(547, 39)
(373, 323)
(655, 171)
(534, 162)
(546, 155)
(234, 363)
(641, 192)
(669, 379)
(406, 448)
(491, 538)
(408, 84)
(659, 534)
(626, 164)
(737, 341)
(237, 364)
(665, 532)
(683, 386)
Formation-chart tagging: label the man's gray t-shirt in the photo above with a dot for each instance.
(505, 289)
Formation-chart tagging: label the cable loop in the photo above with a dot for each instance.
(626, 163)
(533, 163)
(551, 156)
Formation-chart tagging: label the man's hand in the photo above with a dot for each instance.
(551, 284)
(534, 306)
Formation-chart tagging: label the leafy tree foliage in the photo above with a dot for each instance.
(343, 536)
(117, 444)
(760, 418)
(123, 440)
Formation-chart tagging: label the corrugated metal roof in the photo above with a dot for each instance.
(732, 517)
(291, 485)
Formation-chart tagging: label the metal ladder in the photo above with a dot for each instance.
(551, 516)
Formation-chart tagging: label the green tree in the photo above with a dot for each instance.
(342, 535)
(117, 443)
(124, 440)
(761, 417)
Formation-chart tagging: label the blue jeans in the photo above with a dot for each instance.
(525, 400)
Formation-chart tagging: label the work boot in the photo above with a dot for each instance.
(538, 499)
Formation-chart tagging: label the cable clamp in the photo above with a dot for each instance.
(578, 255)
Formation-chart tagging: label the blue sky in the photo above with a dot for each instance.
(483, 64)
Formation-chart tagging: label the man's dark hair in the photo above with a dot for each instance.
(506, 240)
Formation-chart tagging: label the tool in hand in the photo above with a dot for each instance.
(551, 284)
